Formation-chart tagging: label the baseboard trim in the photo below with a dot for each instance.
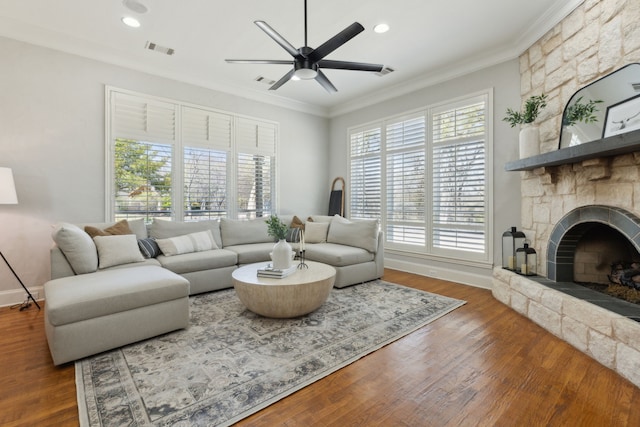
(465, 278)
(18, 296)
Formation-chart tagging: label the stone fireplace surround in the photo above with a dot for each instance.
(595, 39)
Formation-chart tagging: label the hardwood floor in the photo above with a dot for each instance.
(483, 364)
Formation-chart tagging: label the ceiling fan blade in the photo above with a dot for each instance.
(348, 65)
(278, 38)
(283, 80)
(325, 83)
(335, 42)
(259, 61)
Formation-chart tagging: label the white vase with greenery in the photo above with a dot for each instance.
(281, 254)
(529, 137)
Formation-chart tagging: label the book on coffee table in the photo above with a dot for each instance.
(277, 273)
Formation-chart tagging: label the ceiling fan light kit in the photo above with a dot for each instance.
(307, 62)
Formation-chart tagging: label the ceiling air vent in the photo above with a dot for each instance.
(265, 80)
(157, 48)
(385, 71)
(636, 86)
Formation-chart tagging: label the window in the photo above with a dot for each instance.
(171, 160)
(405, 183)
(458, 171)
(424, 175)
(365, 173)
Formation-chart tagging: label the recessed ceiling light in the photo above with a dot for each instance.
(381, 28)
(130, 21)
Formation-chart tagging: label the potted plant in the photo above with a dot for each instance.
(529, 135)
(281, 254)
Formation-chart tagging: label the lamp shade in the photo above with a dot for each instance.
(7, 187)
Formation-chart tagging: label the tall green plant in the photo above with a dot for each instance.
(532, 108)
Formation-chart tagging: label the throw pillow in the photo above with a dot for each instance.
(320, 218)
(119, 228)
(149, 247)
(77, 247)
(163, 229)
(194, 242)
(293, 235)
(359, 233)
(297, 223)
(116, 250)
(316, 232)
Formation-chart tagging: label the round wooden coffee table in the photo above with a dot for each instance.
(295, 295)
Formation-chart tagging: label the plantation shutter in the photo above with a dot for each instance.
(144, 134)
(206, 138)
(459, 136)
(256, 144)
(365, 173)
(143, 119)
(405, 181)
(202, 128)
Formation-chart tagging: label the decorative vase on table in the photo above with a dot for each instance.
(529, 141)
(281, 255)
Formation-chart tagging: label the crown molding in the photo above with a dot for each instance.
(538, 29)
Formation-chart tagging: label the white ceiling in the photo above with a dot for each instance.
(429, 40)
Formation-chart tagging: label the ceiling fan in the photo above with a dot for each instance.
(307, 61)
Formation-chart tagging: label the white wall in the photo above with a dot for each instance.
(505, 81)
(52, 136)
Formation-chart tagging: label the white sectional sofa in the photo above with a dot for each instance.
(108, 284)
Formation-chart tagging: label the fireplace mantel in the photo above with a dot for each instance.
(607, 147)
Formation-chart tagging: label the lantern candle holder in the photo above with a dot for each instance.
(511, 240)
(526, 260)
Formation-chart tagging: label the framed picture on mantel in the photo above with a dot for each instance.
(622, 117)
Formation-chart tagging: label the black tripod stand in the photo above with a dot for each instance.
(30, 297)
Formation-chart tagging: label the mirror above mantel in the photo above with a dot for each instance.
(616, 104)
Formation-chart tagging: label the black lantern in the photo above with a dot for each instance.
(511, 240)
(526, 260)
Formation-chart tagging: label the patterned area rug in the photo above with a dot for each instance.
(230, 363)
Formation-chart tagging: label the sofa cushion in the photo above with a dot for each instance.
(116, 250)
(198, 261)
(77, 247)
(316, 232)
(163, 229)
(359, 233)
(76, 298)
(193, 242)
(337, 255)
(119, 228)
(250, 253)
(238, 232)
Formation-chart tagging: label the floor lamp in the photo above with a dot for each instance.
(8, 197)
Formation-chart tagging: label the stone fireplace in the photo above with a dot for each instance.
(567, 207)
(587, 240)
